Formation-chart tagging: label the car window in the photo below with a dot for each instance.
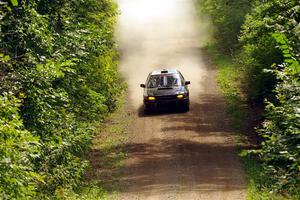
(164, 80)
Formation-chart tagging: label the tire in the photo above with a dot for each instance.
(186, 108)
(147, 110)
(183, 108)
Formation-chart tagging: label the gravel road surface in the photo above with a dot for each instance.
(175, 155)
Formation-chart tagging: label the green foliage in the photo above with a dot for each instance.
(259, 47)
(227, 18)
(60, 57)
(14, 2)
(109, 143)
(89, 192)
(18, 149)
(265, 46)
(280, 151)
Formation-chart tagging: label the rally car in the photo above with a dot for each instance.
(166, 88)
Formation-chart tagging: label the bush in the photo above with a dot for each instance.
(259, 50)
(227, 18)
(18, 149)
(280, 152)
(60, 57)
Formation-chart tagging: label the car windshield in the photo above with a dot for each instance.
(164, 80)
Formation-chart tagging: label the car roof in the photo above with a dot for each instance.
(164, 71)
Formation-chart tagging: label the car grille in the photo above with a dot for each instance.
(167, 97)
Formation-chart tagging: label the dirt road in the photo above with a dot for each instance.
(175, 155)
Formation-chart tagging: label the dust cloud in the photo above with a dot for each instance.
(187, 155)
(157, 34)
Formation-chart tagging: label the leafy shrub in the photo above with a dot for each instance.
(46, 113)
(227, 18)
(61, 56)
(280, 152)
(259, 50)
(18, 149)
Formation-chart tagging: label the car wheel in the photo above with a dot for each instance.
(147, 110)
(186, 108)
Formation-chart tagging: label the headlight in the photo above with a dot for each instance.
(180, 96)
(151, 98)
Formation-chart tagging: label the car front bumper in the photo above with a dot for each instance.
(166, 103)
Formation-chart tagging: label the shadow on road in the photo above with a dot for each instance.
(195, 153)
(159, 112)
(186, 161)
(195, 150)
(209, 113)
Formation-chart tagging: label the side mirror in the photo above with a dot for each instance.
(142, 85)
(187, 82)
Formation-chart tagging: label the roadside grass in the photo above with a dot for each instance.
(105, 157)
(228, 78)
(256, 180)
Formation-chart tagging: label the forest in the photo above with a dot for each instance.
(59, 79)
(262, 39)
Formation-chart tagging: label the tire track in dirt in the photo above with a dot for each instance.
(174, 155)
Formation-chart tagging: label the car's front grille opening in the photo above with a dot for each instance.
(167, 97)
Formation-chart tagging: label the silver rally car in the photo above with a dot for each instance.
(166, 88)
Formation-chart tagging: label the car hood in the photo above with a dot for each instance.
(164, 91)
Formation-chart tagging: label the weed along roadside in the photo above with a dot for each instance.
(105, 157)
(108, 148)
